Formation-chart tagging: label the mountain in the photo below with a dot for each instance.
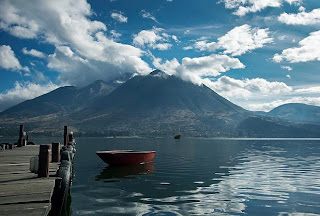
(151, 105)
(62, 100)
(297, 112)
(48, 113)
(159, 103)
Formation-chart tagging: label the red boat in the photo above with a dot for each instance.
(126, 157)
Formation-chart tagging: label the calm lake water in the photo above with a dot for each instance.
(200, 177)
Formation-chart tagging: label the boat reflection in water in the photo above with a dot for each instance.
(114, 173)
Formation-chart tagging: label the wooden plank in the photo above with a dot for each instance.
(44, 197)
(46, 186)
(22, 192)
(30, 209)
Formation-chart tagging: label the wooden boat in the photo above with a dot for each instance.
(126, 157)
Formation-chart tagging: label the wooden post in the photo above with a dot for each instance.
(20, 141)
(55, 152)
(65, 136)
(44, 160)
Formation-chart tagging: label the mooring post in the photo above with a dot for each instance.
(65, 135)
(44, 160)
(55, 152)
(20, 141)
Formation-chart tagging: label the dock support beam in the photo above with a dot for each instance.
(20, 141)
(65, 136)
(55, 152)
(44, 160)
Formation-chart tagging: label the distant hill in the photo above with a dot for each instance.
(297, 112)
(153, 105)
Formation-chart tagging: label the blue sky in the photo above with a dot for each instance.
(258, 54)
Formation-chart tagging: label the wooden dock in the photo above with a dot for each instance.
(22, 192)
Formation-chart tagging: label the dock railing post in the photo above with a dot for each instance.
(20, 141)
(55, 152)
(44, 160)
(65, 136)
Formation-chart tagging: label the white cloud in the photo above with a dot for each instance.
(212, 65)
(67, 23)
(175, 38)
(239, 40)
(262, 95)
(115, 34)
(273, 104)
(307, 51)
(282, 37)
(187, 47)
(148, 15)
(193, 69)
(308, 90)
(251, 6)
(243, 39)
(8, 59)
(288, 76)
(22, 92)
(243, 90)
(288, 68)
(76, 70)
(203, 45)
(302, 18)
(34, 53)
(119, 17)
(155, 38)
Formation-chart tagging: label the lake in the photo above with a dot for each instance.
(200, 177)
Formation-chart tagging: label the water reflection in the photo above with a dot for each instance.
(111, 173)
(268, 180)
(203, 177)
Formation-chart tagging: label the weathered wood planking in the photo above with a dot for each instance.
(28, 209)
(22, 192)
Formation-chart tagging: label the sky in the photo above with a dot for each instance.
(258, 54)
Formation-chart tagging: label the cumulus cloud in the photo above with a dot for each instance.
(147, 15)
(22, 92)
(193, 69)
(239, 40)
(302, 18)
(204, 45)
(116, 35)
(308, 90)
(262, 95)
(243, 39)
(34, 53)
(248, 88)
(155, 38)
(88, 70)
(288, 68)
(8, 59)
(67, 23)
(307, 51)
(243, 7)
(273, 104)
(119, 17)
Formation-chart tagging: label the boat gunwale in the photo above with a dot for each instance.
(125, 152)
